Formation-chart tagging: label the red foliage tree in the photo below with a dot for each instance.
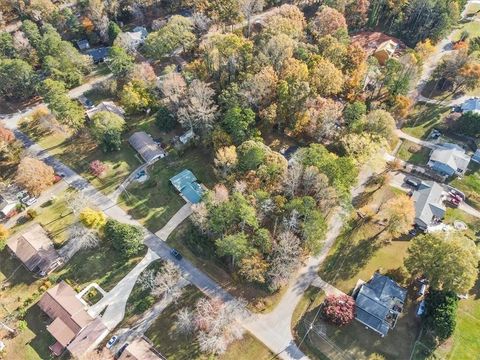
(97, 168)
(6, 135)
(338, 310)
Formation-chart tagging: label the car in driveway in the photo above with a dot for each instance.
(29, 200)
(415, 183)
(121, 350)
(176, 254)
(112, 341)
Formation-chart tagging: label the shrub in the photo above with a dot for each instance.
(338, 310)
(92, 218)
(4, 232)
(22, 325)
(165, 119)
(144, 304)
(32, 213)
(441, 310)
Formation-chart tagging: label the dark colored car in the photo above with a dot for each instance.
(176, 254)
(413, 182)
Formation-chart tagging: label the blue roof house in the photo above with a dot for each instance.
(378, 303)
(186, 184)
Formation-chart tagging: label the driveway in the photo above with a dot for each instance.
(184, 212)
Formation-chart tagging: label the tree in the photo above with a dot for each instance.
(226, 159)
(285, 259)
(79, 237)
(125, 238)
(468, 123)
(97, 168)
(260, 89)
(323, 115)
(34, 175)
(238, 122)
(136, 96)
(106, 122)
(6, 136)
(17, 79)
(361, 147)
(248, 8)
(119, 62)
(236, 246)
(7, 49)
(354, 112)
(143, 72)
(325, 78)
(4, 233)
(278, 49)
(254, 268)
(327, 21)
(356, 14)
(167, 281)
(76, 201)
(113, 31)
(399, 214)
(165, 120)
(174, 88)
(449, 264)
(67, 111)
(288, 19)
(338, 309)
(112, 141)
(198, 110)
(92, 218)
(177, 33)
(441, 312)
(378, 122)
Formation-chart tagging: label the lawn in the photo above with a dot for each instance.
(178, 347)
(424, 118)
(471, 27)
(154, 202)
(413, 153)
(470, 185)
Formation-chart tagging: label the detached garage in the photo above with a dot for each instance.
(148, 149)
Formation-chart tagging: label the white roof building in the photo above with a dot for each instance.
(106, 106)
(449, 159)
(472, 105)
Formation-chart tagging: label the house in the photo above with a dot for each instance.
(69, 316)
(88, 338)
(385, 51)
(449, 159)
(379, 302)
(136, 37)
(148, 149)
(106, 106)
(98, 55)
(35, 250)
(83, 44)
(8, 203)
(140, 349)
(186, 184)
(472, 105)
(186, 137)
(428, 202)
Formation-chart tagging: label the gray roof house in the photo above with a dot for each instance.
(379, 302)
(429, 207)
(98, 55)
(449, 159)
(476, 156)
(109, 106)
(7, 204)
(148, 149)
(83, 44)
(472, 105)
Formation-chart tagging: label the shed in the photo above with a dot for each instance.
(35, 250)
(140, 349)
(385, 51)
(186, 184)
(148, 149)
(186, 137)
(83, 44)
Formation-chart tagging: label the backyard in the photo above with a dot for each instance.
(154, 202)
(179, 347)
(413, 153)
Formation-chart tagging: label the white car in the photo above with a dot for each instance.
(112, 341)
(29, 201)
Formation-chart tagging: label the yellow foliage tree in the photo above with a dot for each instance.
(3, 236)
(92, 218)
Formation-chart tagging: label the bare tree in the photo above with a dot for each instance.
(79, 237)
(147, 280)
(293, 179)
(220, 194)
(291, 222)
(248, 8)
(166, 281)
(285, 259)
(201, 22)
(185, 323)
(240, 186)
(198, 109)
(200, 216)
(173, 87)
(76, 202)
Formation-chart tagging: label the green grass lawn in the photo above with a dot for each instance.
(470, 185)
(154, 202)
(178, 347)
(424, 118)
(413, 153)
(472, 27)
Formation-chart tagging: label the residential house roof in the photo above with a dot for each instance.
(88, 338)
(476, 156)
(61, 304)
(7, 203)
(98, 54)
(34, 249)
(371, 41)
(187, 136)
(377, 300)
(428, 200)
(83, 44)
(186, 183)
(139, 349)
(137, 36)
(472, 104)
(451, 155)
(148, 149)
(108, 106)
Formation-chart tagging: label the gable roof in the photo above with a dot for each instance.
(61, 304)
(186, 183)
(148, 149)
(34, 249)
(451, 155)
(108, 106)
(7, 203)
(88, 338)
(139, 349)
(472, 104)
(428, 203)
(376, 300)
(98, 54)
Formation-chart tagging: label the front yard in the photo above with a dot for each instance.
(470, 185)
(413, 153)
(424, 118)
(154, 202)
(179, 347)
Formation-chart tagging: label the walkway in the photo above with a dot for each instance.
(326, 287)
(184, 212)
(415, 140)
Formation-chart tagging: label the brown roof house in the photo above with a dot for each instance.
(140, 349)
(72, 326)
(385, 51)
(35, 250)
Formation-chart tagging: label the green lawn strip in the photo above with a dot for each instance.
(424, 118)
(413, 153)
(154, 202)
(470, 185)
(180, 347)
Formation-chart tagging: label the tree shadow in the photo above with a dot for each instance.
(37, 322)
(13, 270)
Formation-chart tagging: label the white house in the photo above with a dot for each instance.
(472, 105)
(449, 159)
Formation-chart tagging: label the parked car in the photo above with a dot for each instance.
(412, 232)
(413, 182)
(112, 341)
(29, 200)
(176, 254)
(120, 351)
(421, 308)
(422, 290)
